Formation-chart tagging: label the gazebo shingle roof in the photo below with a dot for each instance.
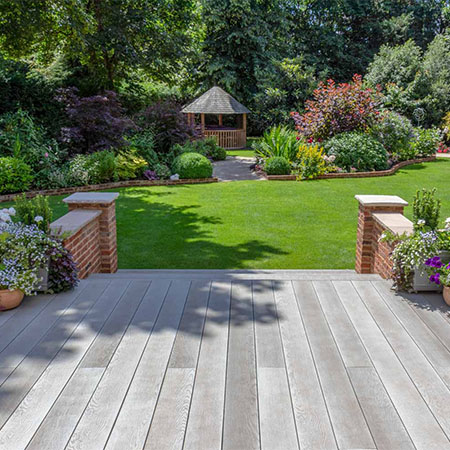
(215, 101)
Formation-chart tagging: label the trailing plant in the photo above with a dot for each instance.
(35, 211)
(63, 272)
(338, 108)
(438, 270)
(15, 175)
(278, 141)
(310, 162)
(277, 165)
(357, 152)
(426, 210)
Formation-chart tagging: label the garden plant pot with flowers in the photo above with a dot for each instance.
(440, 275)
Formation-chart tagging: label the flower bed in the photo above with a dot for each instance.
(375, 173)
(104, 186)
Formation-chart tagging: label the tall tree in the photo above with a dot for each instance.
(106, 36)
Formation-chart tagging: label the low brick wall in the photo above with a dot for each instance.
(91, 228)
(378, 214)
(375, 173)
(105, 186)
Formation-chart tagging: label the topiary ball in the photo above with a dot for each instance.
(192, 165)
(277, 165)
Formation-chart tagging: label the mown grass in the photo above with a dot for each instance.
(256, 224)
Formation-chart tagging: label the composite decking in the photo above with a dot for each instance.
(206, 360)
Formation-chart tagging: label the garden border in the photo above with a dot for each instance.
(379, 173)
(103, 186)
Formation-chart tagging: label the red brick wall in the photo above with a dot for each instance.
(382, 263)
(84, 246)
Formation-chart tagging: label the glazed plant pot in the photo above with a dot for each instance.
(10, 299)
(446, 295)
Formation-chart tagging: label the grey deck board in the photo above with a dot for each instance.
(204, 428)
(385, 424)
(348, 421)
(420, 423)
(226, 360)
(133, 422)
(311, 416)
(241, 425)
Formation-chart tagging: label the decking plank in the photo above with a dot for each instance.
(348, 422)
(189, 335)
(22, 379)
(414, 413)
(23, 423)
(105, 344)
(133, 421)
(241, 425)
(269, 351)
(350, 346)
(94, 427)
(170, 417)
(384, 422)
(311, 416)
(205, 424)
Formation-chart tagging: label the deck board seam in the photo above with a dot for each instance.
(404, 369)
(256, 364)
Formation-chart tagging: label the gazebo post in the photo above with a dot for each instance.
(220, 120)
(203, 122)
(244, 121)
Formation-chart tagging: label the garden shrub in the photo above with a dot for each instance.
(15, 175)
(426, 142)
(95, 123)
(337, 109)
(192, 165)
(129, 164)
(310, 161)
(395, 132)
(102, 166)
(34, 211)
(277, 165)
(144, 143)
(358, 152)
(79, 171)
(278, 141)
(207, 147)
(446, 127)
(426, 210)
(168, 124)
(162, 171)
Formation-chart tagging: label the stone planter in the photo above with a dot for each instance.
(10, 299)
(421, 281)
(446, 295)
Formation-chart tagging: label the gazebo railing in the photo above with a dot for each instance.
(228, 138)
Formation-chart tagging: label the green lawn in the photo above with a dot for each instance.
(256, 224)
(245, 152)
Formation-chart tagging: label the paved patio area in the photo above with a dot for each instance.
(235, 168)
(226, 360)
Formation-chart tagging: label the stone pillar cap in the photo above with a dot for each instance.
(91, 197)
(381, 200)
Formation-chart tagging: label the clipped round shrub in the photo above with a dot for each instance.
(357, 152)
(15, 175)
(192, 165)
(277, 165)
(217, 153)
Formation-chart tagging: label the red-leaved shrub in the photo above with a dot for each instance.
(337, 108)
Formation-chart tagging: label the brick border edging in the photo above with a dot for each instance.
(112, 185)
(379, 173)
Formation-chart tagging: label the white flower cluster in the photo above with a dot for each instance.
(329, 159)
(6, 214)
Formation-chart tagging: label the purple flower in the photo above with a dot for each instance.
(435, 278)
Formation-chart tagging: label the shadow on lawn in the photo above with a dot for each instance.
(158, 235)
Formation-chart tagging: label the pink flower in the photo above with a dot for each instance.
(46, 154)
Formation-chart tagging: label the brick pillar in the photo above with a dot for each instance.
(368, 205)
(106, 203)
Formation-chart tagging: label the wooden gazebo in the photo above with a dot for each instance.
(216, 101)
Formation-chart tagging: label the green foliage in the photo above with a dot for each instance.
(310, 162)
(15, 175)
(144, 144)
(357, 152)
(277, 165)
(207, 147)
(129, 165)
(278, 141)
(425, 142)
(192, 165)
(102, 167)
(426, 210)
(27, 210)
(395, 132)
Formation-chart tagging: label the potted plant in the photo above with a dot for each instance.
(439, 274)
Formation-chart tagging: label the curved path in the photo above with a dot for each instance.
(235, 168)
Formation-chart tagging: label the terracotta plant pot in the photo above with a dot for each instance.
(446, 295)
(10, 299)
